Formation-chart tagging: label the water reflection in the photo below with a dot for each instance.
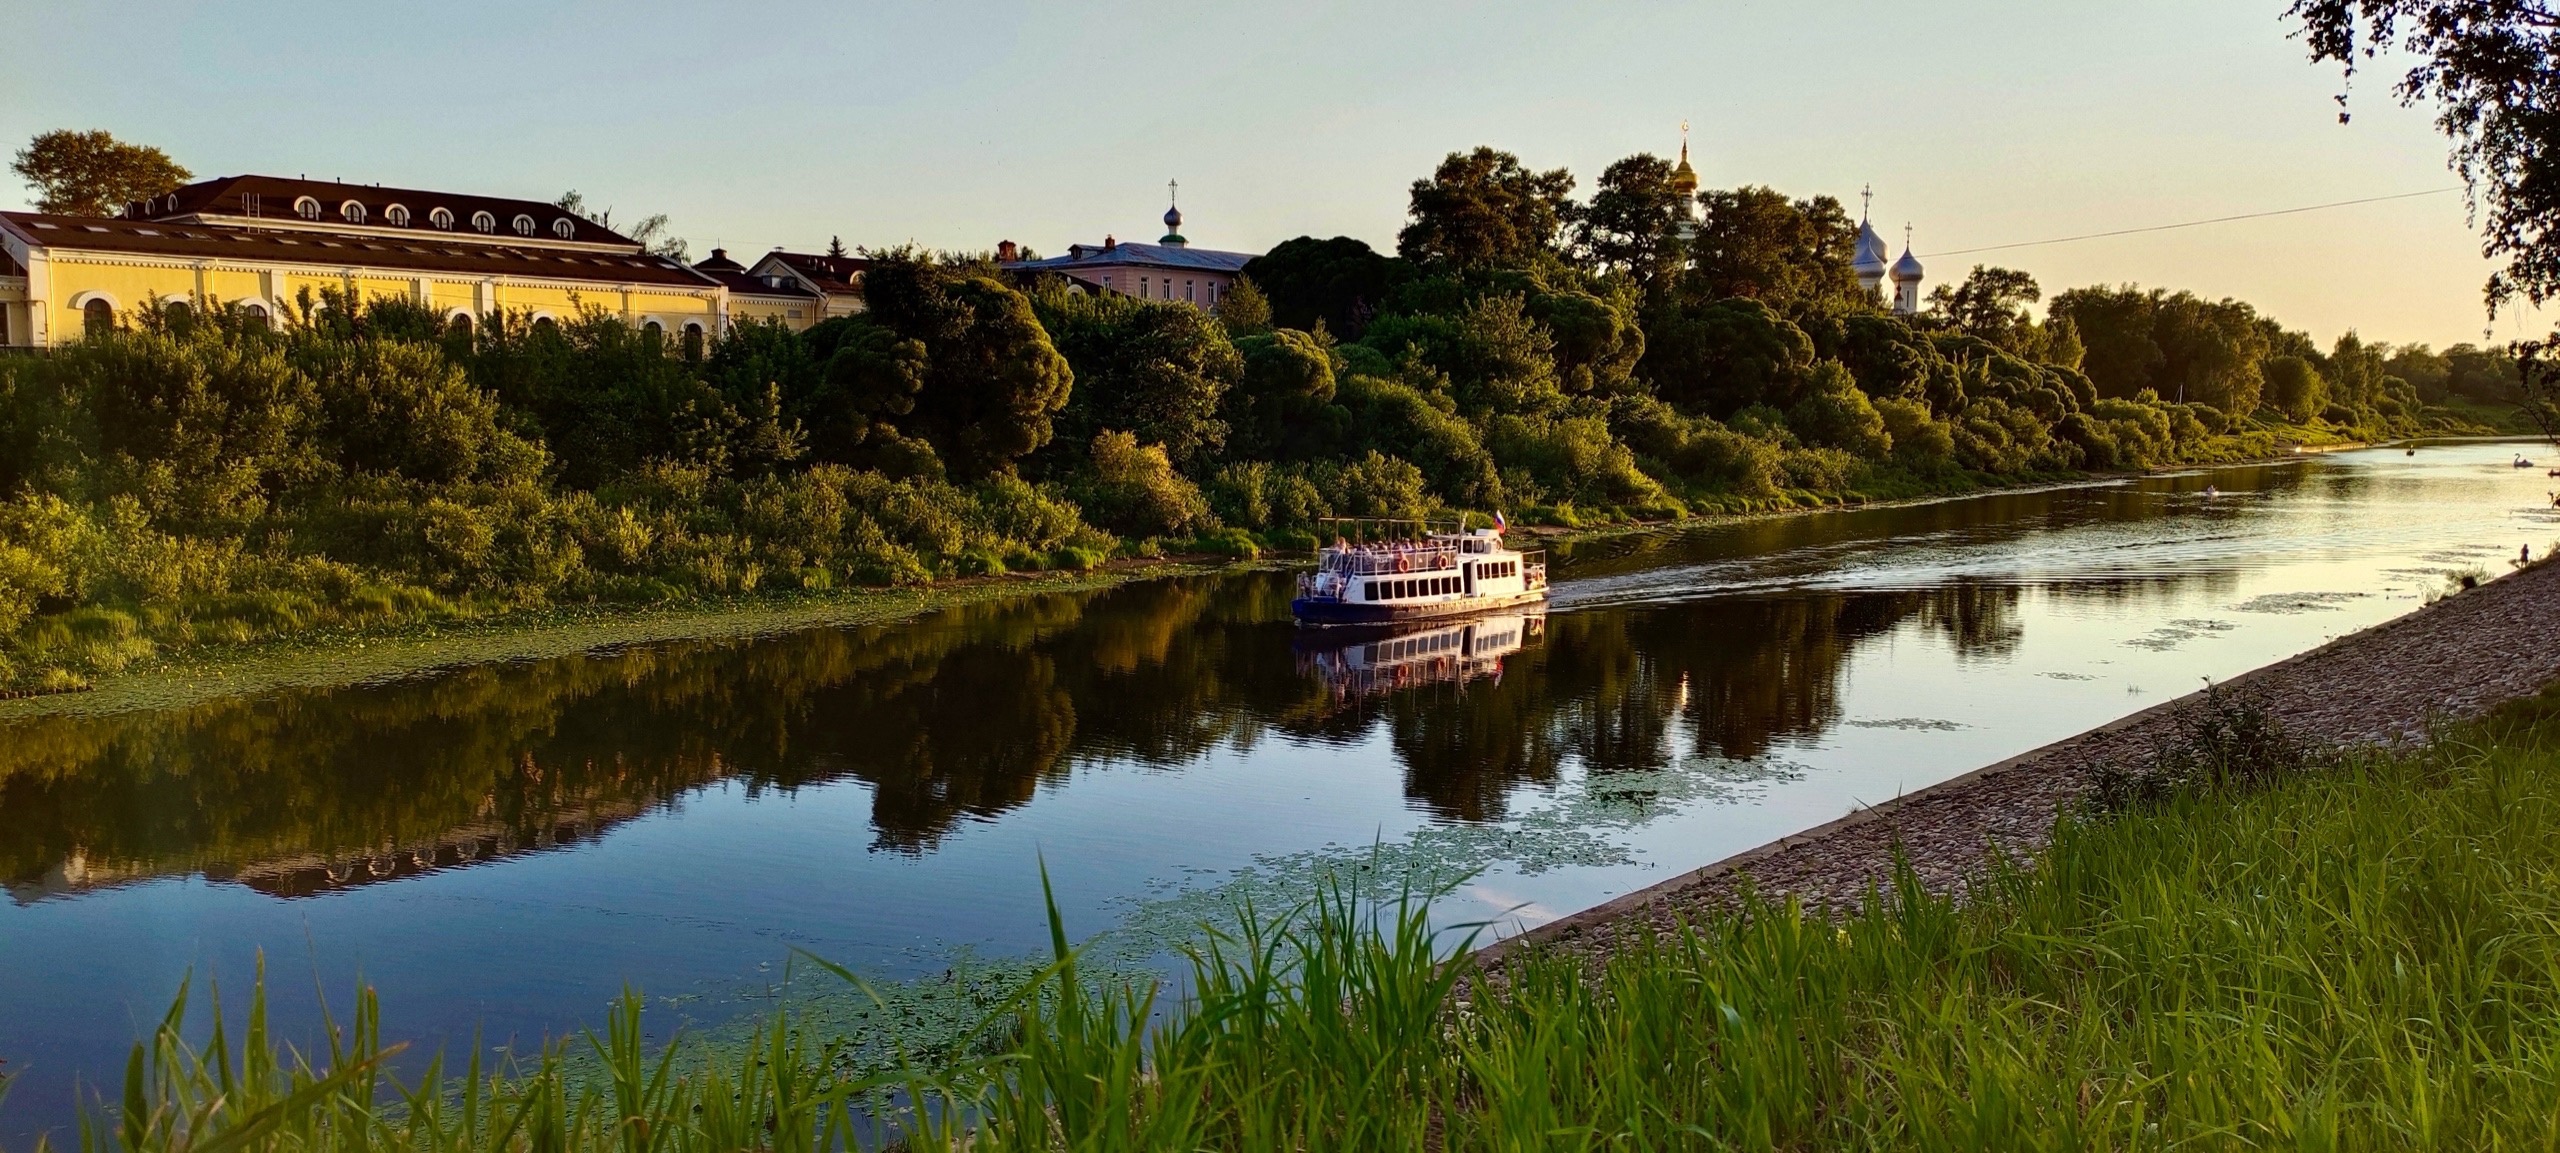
(965, 715)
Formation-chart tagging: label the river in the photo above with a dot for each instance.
(501, 849)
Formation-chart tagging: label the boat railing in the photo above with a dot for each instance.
(1364, 562)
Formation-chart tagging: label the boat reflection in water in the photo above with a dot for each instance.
(1385, 658)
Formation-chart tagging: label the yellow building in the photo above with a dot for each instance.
(260, 242)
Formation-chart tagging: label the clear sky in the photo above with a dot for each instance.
(958, 124)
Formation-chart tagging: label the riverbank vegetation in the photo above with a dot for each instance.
(193, 477)
(2252, 949)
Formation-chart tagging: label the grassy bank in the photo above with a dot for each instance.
(2357, 954)
(328, 657)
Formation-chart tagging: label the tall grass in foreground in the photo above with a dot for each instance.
(2362, 956)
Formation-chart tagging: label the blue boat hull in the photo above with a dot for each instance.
(1321, 613)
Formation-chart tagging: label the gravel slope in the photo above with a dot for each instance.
(2450, 660)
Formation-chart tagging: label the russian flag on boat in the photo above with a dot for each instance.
(1499, 524)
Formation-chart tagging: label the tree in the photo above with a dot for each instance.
(1834, 414)
(1632, 225)
(1158, 370)
(1244, 310)
(2210, 351)
(1283, 409)
(835, 247)
(1991, 304)
(2492, 69)
(1723, 357)
(1338, 284)
(2115, 328)
(1792, 255)
(650, 233)
(93, 173)
(2295, 389)
(1483, 208)
(993, 383)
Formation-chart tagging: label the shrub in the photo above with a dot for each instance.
(1234, 543)
(1132, 489)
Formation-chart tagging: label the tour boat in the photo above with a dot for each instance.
(1434, 574)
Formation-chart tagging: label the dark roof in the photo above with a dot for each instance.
(740, 282)
(834, 274)
(274, 196)
(718, 261)
(340, 250)
(1131, 252)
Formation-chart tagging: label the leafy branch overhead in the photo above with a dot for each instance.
(2491, 68)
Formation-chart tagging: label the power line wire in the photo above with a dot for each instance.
(2192, 223)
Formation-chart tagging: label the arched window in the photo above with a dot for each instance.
(178, 315)
(352, 212)
(396, 216)
(545, 324)
(306, 208)
(653, 328)
(98, 317)
(483, 222)
(564, 228)
(255, 314)
(692, 341)
(441, 218)
(524, 225)
(459, 324)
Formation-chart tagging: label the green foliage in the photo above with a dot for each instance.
(1485, 209)
(1632, 225)
(1791, 255)
(93, 173)
(993, 382)
(1158, 370)
(1991, 305)
(1336, 285)
(1133, 489)
(1834, 414)
(1283, 407)
(1726, 356)
(1244, 310)
(2295, 389)
(2178, 345)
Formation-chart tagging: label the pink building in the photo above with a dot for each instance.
(1169, 269)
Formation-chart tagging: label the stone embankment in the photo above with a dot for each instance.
(2450, 660)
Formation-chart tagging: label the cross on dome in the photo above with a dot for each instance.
(1173, 215)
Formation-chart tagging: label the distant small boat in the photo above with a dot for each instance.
(2212, 491)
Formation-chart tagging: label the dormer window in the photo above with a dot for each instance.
(524, 225)
(564, 228)
(396, 216)
(441, 218)
(352, 212)
(483, 222)
(306, 208)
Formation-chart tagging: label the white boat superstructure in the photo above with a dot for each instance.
(1434, 574)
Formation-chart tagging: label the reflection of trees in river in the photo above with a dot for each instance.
(1606, 689)
(966, 713)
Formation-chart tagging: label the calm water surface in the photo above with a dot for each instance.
(502, 848)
